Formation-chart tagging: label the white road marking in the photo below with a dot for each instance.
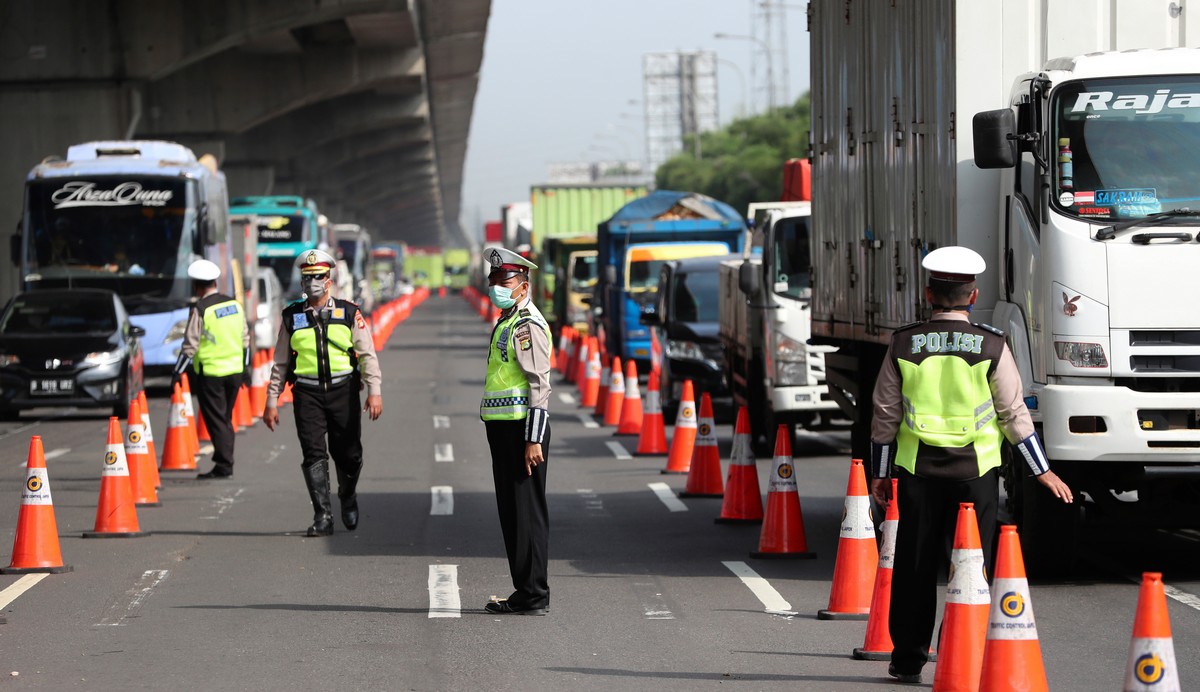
(55, 453)
(205, 450)
(118, 613)
(62, 413)
(274, 454)
(588, 421)
(442, 497)
(771, 599)
(667, 496)
(618, 450)
(654, 606)
(443, 452)
(444, 601)
(19, 587)
(592, 502)
(566, 398)
(1188, 599)
(441, 421)
(223, 503)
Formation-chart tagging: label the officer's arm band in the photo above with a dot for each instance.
(882, 455)
(182, 364)
(1031, 450)
(535, 425)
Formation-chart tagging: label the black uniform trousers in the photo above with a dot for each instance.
(924, 539)
(524, 519)
(216, 396)
(336, 412)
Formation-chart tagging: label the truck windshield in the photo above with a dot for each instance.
(643, 275)
(132, 235)
(1126, 148)
(349, 248)
(583, 273)
(291, 228)
(696, 298)
(790, 265)
(288, 273)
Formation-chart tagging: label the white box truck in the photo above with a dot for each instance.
(1060, 140)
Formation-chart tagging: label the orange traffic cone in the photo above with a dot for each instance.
(616, 394)
(683, 439)
(968, 600)
(877, 645)
(137, 455)
(1151, 651)
(564, 350)
(35, 548)
(630, 422)
(857, 556)
(241, 408)
(285, 397)
(1012, 657)
(177, 452)
(589, 391)
(258, 385)
(601, 407)
(150, 439)
(195, 423)
(783, 530)
(704, 476)
(653, 438)
(441, 291)
(202, 430)
(743, 499)
(581, 361)
(116, 514)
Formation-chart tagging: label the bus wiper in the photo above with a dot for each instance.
(1110, 232)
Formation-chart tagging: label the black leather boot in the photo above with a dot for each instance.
(347, 495)
(317, 479)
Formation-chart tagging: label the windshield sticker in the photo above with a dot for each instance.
(1066, 199)
(1142, 104)
(84, 194)
(1120, 198)
(1085, 197)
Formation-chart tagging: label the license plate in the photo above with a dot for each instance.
(51, 386)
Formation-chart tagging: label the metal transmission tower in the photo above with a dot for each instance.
(681, 100)
(769, 54)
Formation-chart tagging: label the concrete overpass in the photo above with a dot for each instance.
(364, 105)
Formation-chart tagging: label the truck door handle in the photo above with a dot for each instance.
(1145, 238)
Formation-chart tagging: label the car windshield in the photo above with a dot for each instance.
(282, 229)
(1126, 148)
(135, 236)
(791, 264)
(696, 297)
(59, 314)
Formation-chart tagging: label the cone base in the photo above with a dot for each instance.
(626, 434)
(863, 655)
(61, 569)
(832, 615)
(665, 472)
(730, 520)
(115, 534)
(684, 493)
(650, 454)
(178, 470)
(783, 556)
(148, 504)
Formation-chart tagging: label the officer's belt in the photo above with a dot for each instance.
(316, 381)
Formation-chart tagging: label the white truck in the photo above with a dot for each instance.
(1086, 226)
(769, 364)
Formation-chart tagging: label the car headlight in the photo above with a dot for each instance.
(1081, 355)
(6, 360)
(789, 350)
(102, 357)
(684, 350)
(791, 373)
(175, 333)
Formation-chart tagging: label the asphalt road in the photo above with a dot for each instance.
(228, 594)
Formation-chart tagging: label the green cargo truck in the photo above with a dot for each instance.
(423, 267)
(457, 263)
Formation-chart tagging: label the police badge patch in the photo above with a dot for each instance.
(524, 340)
(299, 320)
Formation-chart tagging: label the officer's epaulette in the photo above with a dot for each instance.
(524, 312)
(294, 303)
(990, 328)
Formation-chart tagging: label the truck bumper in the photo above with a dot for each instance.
(804, 398)
(1137, 426)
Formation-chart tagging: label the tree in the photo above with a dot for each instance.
(742, 162)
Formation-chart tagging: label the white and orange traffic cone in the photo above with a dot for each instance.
(572, 364)
(1012, 656)
(137, 455)
(195, 423)
(704, 476)
(857, 556)
(177, 450)
(965, 619)
(631, 407)
(564, 350)
(35, 548)
(1152, 666)
(877, 645)
(652, 440)
(116, 513)
(683, 438)
(783, 529)
(601, 405)
(743, 499)
(582, 356)
(150, 439)
(241, 409)
(589, 389)
(616, 394)
(258, 385)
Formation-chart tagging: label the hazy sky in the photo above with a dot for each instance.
(557, 73)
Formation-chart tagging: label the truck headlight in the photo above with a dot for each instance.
(791, 373)
(1081, 355)
(175, 333)
(684, 350)
(789, 350)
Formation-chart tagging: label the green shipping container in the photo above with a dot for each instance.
(573, 210)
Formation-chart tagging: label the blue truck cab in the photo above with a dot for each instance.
(633, 245)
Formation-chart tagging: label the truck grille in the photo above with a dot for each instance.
(1164, 338)
(1165, 363)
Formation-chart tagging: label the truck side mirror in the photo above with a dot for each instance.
(994, 135)
(610, 275)
(747, 279)
(649, 316)
(14, 248)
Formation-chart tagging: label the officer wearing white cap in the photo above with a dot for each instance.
(514, 409)
(948, 396)
(216, 342)
(326, 351)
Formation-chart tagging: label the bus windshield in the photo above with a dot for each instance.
(135, 236)
(291, 228)
(1126, 148)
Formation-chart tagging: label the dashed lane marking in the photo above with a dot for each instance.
(761, 588)
(440, 422)
(20, 586)
(444, 601)
(123, 610)
(223, 503)
(592, 502)
(205, 450)
(566, 398)
(55, 453)
(443, 452)
(618, 450)
(667, 496)
(588, 421)
(61, 413)
(1188, 599)
(654, 605)
(442, 500)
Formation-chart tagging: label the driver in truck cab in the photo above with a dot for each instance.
(948, 395)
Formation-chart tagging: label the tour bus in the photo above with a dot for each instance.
(129, 216)
(288, 226)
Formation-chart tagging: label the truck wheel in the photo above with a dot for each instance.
(1050, 530)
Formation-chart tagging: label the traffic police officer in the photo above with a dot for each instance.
(216, 343)
(515, 412)
(947, 396)
(326, 351)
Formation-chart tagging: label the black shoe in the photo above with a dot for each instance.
(503, 607)
(909, 678)
(350, 513)
(322, 526)
(215, 473)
